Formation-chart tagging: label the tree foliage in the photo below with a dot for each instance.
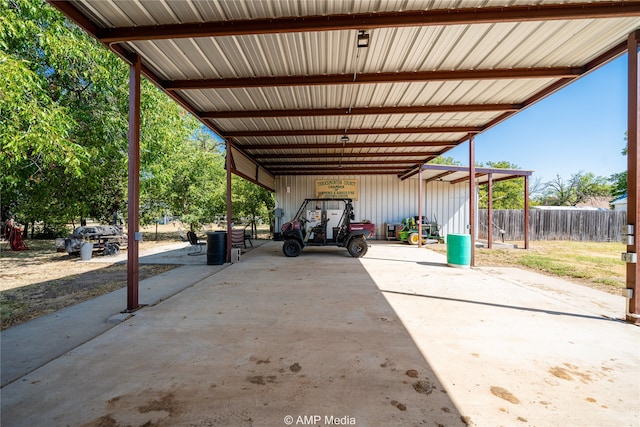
(444, 160)
(580, 188)
(619, 180)
(65, 120)
(196, 186)
(64, 93)
(618, 184)
(506, 194)
(63, 134)
(252, 201)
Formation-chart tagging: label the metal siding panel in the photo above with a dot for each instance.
(247, 167)
(449, 205)
(266, 178)
(243, 164)
(381, 199)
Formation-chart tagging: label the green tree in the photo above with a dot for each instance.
(39, 153)
(205, 140)
(64, 132)
(73, 107)
(506, 194)
(578, 189)
(196, 188)
(166, 129)
(252, 201)
(619, 180)
(65, 121)
(442, 160)
(33, 129)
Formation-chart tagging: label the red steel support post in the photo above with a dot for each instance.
(633, 159)
(420, 207)
(472, 198)
(229, 206)
(490, 212)
(526, 212)
(133, 208)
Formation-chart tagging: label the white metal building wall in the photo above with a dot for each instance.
(385, 199)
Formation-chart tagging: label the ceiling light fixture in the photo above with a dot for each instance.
(344, 139)
(363, 38)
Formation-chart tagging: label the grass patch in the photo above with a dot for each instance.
(594, 264)
(613, 282)
(549, 265)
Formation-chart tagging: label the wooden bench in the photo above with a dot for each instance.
(239, 237)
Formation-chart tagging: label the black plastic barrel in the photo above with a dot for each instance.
(216, 248)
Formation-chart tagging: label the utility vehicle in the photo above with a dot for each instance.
(326, 222)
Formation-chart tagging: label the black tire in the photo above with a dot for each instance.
(357, 247)
(292, 248)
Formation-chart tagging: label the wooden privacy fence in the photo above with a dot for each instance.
(585, 226)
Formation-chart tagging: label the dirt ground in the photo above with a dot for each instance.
(41, 280)
(25, 303)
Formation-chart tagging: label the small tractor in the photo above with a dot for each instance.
(326, 222)
(409, 232)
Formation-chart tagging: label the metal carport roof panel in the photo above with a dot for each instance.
(276, 77)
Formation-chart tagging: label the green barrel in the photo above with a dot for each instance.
(459, 250)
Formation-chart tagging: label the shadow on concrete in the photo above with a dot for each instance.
(325, 338)
(510, 307)
(433, 264)
(28, 346)
(412, 261)
(260, 341)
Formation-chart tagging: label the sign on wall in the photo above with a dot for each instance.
(336, 189)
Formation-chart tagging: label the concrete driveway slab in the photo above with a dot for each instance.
(518, 348)
(392, 339)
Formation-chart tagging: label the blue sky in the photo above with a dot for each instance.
(580, 128)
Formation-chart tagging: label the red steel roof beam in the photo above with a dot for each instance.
(368, 131)
(440, 175)
(353, 162)
(411, 18)
(418, 109)
(345, 155)
(348, 145)
(407, 76)
(466, 178)
(359, 171)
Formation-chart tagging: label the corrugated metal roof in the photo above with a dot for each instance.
(453, 174)
(273, 78)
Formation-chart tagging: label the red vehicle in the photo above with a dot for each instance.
(326, 222)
